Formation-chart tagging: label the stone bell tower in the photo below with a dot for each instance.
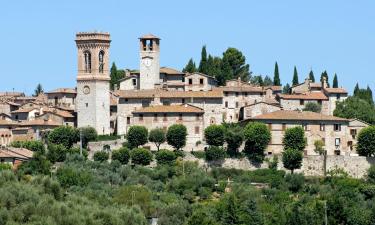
(149, 61)
(93, 99)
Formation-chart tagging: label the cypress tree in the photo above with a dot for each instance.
(190, 67)
(113, 75)
(210, 65)
(311, 76)
(38, 90)
(276, 77)
(203, 62)
(356, 89)
(369, 95)
(335, 83)
(295, 77)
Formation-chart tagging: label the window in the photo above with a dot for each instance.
(166, 102)
(180, 116)
(226, 104)
(301, 102)
(237, 104)
(165, 118)
(245, 94)
(225, 93)
(350, 145)
(197, 130)
(338, 96)
(87, 56)
(201, 81)
(322, 127)
(237, 94)
(305, 127)
(353, 132)
(155, 117)
(283, 126)
(140, 117)
(183, 101)
(127, 120)
(320, 102)
(337, 142)
(198, 117)
(16, 117)
(134, 82)
(87, 104)
(101, 61)
(183, 79)
(190, 81)
(56, 100)
(145, 103)
(337, 127)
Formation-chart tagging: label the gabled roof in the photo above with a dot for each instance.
(61, 113)
(246, 88)
(297, 116)
(63, 91)
(268, 102)
(316, 85)
(24, 110)
(202, 74)
(152, 93)
(335, 90)
(304, 96)
(20, 153)
(170, 71)
(39, 122)
(170, 109)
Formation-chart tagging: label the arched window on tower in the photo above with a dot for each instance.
(87, 55)
(101, 61)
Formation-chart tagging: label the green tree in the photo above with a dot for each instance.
(201, 217)
(294, 138)
(365, 94)
(228, 210)
(237, 63)
(203, 66)
(122, 155)
(371, 174)
(366, 142)
(39, 165)
(324, 75)
(250, 214)
(257, 80)
(115, 76)
(335, 83)
(176, 136)
(32, 145)
(311, 76)
(234, 139)
(313, 107)
(38, 90)
(292, 159)
(214, 135)
(225, 74)
(295, 77)
(88, 134)
(286, 89)
(101, 156)
(64, 135)
(276, 76)
(56, 153)
(137, 136)
(215, 153)
(267, 81)
(354, 107)
(257, 136)
(190, 67)
(165, 157)
(141, 156)
(70, 176)
(157, 136)
(356, 89)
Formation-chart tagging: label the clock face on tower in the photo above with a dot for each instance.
(147, 62)
(86, 90)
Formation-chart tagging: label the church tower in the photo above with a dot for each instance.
(149, 61)
(93, 99)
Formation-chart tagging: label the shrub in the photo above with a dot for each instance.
(199, 154)
(77, 151)
(366, 142)
(70, 176)
(215, 153)
(38, 165)
(234, 139)
(214, 135)
(122, 155)
(64, 135)
(141, 156)
(319, 147)
(295, 182)
(107, 137)
(294, 138)
(292, 159)
(165, 157)
(176, 136)
(101, 156)
(88, 134)
(157, 136)
(35, 146)
(137, 135)
(313, 107)
(257, 137)
(371, 174)
(5, 166)
(56, 153)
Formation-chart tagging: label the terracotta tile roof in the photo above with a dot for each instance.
(11, 93)
(26, 98)
(304, 96)
(20, 153)
(168, 94)
(170, 71)
(202, 74)
(246, 88)
(149, 36)
(297, 115)
(274, 88)
(335, 90)
(7, 123)
(170, 108)
(63, 90)
(12, 103)
(267, 101)
(39, 122)
(24, 110)
(316, 85)
(61, 113)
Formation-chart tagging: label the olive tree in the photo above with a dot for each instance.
(176, 136)
(137, 135)
(257, 136)
(292, 159)
(366, 142)
(214, 135)
(157, 136)
(294, 138)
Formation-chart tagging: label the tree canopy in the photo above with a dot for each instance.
(276, 76)
(355, 107)
(295, 77)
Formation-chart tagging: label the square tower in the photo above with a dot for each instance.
(149, 62)
(93, 97)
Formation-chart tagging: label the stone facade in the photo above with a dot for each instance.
(149, 62)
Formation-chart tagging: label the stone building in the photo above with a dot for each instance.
(338, 134)
(62, 97)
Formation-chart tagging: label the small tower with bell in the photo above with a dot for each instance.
(149, 62)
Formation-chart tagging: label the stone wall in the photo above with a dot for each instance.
(355, 166)
(98, 146)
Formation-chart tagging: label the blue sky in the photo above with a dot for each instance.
(336, 35)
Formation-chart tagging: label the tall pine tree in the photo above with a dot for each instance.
(203, 63)
(190, 67)
(114, 76)
(311, 76)
(38, 90)
(295, 77)
(356, 89)
(276, 76)
(335, 83)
